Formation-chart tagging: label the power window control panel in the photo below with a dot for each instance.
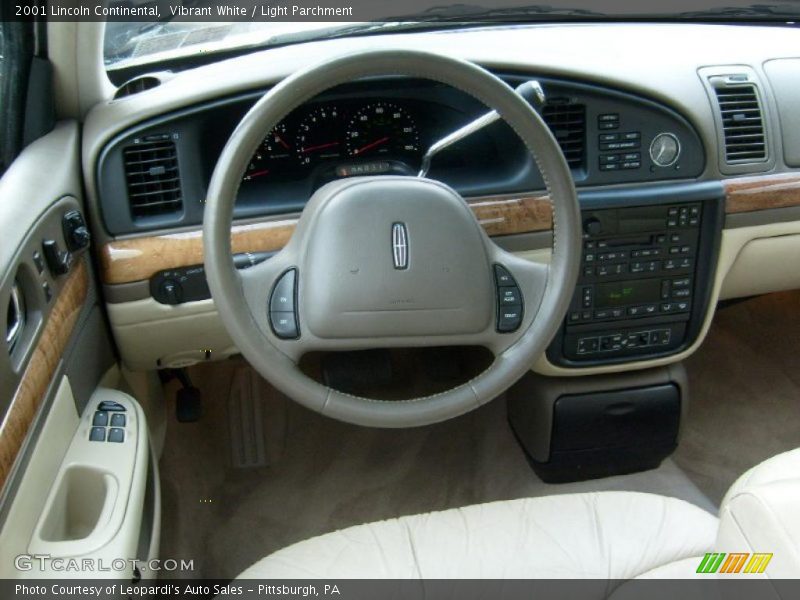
(108, 423)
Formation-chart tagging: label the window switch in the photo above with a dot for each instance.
(97, 434)
(118, 420)
(116, 435)
(100, 419)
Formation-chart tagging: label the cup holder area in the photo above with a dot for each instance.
(77, 508)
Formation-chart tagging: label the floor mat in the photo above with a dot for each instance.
(324, 475)
(744, 390)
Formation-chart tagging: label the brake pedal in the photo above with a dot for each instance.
(188, 399)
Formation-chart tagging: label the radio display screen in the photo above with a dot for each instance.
(622, 293)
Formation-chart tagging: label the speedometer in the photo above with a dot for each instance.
(382, 128)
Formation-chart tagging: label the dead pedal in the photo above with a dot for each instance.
(246, 420)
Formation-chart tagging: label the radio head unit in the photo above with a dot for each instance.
(645, 281)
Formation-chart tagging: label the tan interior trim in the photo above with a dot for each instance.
(41, 368)
(135, 259)
(762, 192)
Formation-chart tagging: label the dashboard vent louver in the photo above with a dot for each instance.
(742, 123)
(567, 121)
(151, 172)
(139, 84)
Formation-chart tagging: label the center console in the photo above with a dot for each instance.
(646, 275)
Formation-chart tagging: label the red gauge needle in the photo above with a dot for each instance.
(371, 145)
(279, 139)
(308, 149)
(258, 173)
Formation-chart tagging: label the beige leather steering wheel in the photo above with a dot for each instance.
(381, 262)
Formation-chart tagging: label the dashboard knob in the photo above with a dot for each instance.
(593, 226)
(171, 291)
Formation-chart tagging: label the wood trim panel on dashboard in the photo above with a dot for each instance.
(762, 192)
(135, 259)
(41, 367)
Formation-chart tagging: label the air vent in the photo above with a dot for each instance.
(742, 123)
(142, 83)
(151, 170)
(567, 121)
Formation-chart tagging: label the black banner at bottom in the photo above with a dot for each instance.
(712, 588)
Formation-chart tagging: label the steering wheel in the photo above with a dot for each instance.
(391, 261)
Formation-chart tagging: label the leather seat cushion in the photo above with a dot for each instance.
(616, 535)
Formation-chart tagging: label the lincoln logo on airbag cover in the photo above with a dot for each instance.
(400, 245)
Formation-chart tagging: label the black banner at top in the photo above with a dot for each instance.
(261, 11)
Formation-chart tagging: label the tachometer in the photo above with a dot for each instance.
(382, 128)
(319, 135)
(272, 155)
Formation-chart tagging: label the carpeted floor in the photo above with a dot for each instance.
(327, 475)
(322, 475)
(745, 391)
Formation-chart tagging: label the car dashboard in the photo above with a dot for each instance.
(676, 164)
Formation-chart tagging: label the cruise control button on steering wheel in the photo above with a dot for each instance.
(282, 311)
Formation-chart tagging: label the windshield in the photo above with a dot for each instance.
(191, 28)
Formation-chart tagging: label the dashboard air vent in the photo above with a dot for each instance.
(567, 121)
(151, 171)
(136, 85)
(742, 123)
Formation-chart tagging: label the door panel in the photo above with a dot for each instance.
(51, 309)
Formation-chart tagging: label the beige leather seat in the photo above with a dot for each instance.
(605, 535)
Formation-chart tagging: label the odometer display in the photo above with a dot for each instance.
(382, 128)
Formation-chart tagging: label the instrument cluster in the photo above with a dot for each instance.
(340, 139)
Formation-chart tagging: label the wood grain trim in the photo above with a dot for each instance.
(135, 259)
(41, 367)
(748, 194)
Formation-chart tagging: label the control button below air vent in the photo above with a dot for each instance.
(151, 170)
